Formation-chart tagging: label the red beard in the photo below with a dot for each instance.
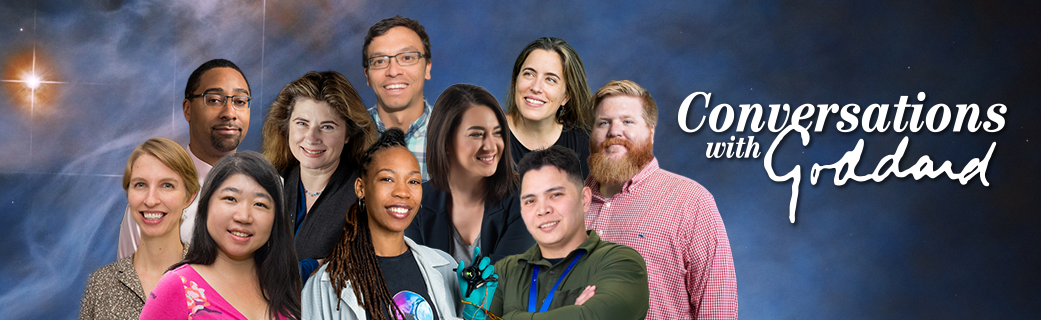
(616, 172)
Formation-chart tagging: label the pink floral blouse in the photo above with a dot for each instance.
(183, 294)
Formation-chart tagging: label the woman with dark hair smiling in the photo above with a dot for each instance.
(470, 200)
(241, 264)
(549, 101)
(315, 133)
(375, 272)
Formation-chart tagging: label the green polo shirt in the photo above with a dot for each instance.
(617, 271)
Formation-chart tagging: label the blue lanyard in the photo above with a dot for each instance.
(535, 281)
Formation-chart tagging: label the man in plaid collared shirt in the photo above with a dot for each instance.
(396, 57)
(671, 220)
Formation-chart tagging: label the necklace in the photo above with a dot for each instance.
(312, 194)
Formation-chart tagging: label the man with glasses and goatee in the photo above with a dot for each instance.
(216, 105)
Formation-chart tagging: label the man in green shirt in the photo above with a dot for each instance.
(578, 275)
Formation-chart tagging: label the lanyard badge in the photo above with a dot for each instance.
(533, 292)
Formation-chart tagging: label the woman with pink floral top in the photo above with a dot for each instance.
(242, 264)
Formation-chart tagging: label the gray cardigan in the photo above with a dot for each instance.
(318, 301)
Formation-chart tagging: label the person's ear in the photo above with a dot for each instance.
(428, 69)
(186, 107)
(587, 199)
(359, 188)
(652, 133)
(191, 198)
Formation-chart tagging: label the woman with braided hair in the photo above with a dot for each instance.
(375, 272)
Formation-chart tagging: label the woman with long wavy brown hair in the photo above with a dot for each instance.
(549, 101)
(315, 133)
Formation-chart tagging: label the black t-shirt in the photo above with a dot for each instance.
(407, 286)
(571, 138)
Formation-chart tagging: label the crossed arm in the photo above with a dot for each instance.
(621, 292)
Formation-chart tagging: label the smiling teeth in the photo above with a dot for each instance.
(396, 86)
(549, 224)
(488, 158)
(153, 216)
(533, 101)
(314, 152)
(240, 234)
(398, 210)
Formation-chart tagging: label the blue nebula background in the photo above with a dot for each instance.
(901, 248)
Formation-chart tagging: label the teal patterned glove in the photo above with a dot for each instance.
(482, 292)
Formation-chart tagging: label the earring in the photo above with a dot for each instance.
(561, 112)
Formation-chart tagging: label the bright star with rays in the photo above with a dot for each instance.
(30, 76)
(32, 81)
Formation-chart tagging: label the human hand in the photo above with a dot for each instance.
(480, 296)
(586, 294)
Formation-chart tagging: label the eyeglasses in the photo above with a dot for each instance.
(404, 59)
(217, 100)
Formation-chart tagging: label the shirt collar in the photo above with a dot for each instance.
(415, 126)
(647, 170)
(201, 167)
(534, 254)
(426, 254)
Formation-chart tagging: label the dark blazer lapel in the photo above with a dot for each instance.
(323, 225)
(442, 223)
(292, 190)
(494, 225)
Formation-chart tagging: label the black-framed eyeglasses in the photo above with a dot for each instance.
(217, 100)
(404, 59)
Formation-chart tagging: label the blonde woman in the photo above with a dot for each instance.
(160, 182)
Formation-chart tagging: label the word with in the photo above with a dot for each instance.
(728, 149)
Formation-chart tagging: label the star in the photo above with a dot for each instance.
(30, 73)
(32, 82)
(31, 78)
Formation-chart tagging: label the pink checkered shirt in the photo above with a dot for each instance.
(674, 224)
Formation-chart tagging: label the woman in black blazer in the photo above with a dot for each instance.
(315, 133)
(470, 199)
